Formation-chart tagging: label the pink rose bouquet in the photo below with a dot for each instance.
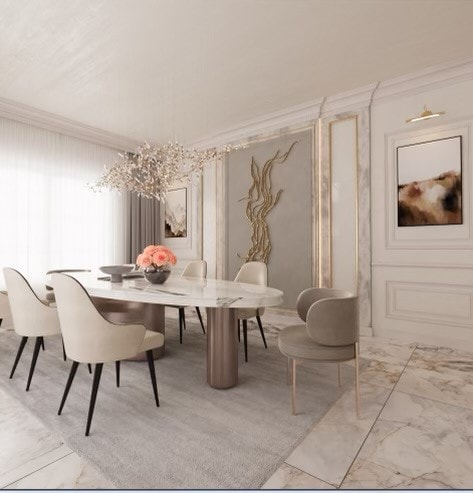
(156, 257)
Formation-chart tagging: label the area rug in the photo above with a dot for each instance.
(199, 437)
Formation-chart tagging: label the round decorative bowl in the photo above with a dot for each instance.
(116, 271)
(158, 276)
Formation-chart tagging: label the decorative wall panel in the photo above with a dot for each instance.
(290, 222)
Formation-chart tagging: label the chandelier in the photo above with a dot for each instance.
(151, 170)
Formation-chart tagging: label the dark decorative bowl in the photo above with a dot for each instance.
(158, 276)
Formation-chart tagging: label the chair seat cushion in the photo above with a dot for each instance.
(294, 342)
(152, 340)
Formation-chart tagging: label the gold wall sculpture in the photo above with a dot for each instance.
(260, 202)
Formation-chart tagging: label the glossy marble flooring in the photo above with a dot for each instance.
(415, 428)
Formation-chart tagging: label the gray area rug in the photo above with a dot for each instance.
(199, 437)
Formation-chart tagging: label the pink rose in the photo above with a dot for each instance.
(172, 258)
(138, 259)
(149, 250)
(160, 258)
(146, 260)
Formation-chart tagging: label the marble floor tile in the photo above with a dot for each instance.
(385, 350)
(288, 477)
(25, 443)
(70, 472)
(330, 448)
(381, 373)
(416, 443)
(441, 374)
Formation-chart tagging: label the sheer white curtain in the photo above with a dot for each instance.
(49, 217)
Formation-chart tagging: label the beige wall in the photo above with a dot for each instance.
(422, 276)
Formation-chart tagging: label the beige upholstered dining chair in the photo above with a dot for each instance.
(196, 269)
(90, 338)
(49, 289)
(31, 316)
(330, 333)
(251, 273)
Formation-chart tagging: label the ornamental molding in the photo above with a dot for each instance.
(58, 124)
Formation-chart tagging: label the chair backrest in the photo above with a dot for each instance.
(253, 273)
(88, 336)
(196, 268)
(31, 316)
(332, 319)
(309, 296)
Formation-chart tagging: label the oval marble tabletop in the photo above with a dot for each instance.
(183, 291)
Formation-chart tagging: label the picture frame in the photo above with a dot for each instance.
(175, 213)
(189, 246)
(429, 183)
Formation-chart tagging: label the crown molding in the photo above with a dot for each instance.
(54, 123)
(413, 83)
(422, 80)
(348, 100)
(301, 113)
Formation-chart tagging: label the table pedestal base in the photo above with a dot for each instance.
(222, 348)
(150, 315)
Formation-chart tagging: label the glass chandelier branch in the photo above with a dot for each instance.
(151, 170)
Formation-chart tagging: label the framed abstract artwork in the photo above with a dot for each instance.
(181, 220)
(175, 213)
(429, 183)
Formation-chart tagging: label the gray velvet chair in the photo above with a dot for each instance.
(330, 333)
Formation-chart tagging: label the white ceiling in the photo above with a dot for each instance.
(159, 69)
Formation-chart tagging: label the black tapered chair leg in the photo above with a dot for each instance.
(63, 350)
(72, 374)
(239, 330)
(42, 343)
(1, 320)
(152, 374)
(37, 347)
(183, 318)
(181, 312)
(89, 366)
(117, 372)
(197, 309)
(245, 338)
(18, 354)
(93, 396)
(258, 319)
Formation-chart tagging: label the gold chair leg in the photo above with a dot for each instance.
(288, 373)
(294, 387)
(357, 381)
(339, 375)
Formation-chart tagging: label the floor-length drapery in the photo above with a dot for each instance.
(143, 224)
(50, 218)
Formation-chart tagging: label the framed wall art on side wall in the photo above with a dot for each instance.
(181, 221)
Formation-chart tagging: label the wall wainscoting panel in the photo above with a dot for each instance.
(431, 305)
(345, 219)
(424, 302)
(450, 237)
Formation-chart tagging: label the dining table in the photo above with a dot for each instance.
(221, 298)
